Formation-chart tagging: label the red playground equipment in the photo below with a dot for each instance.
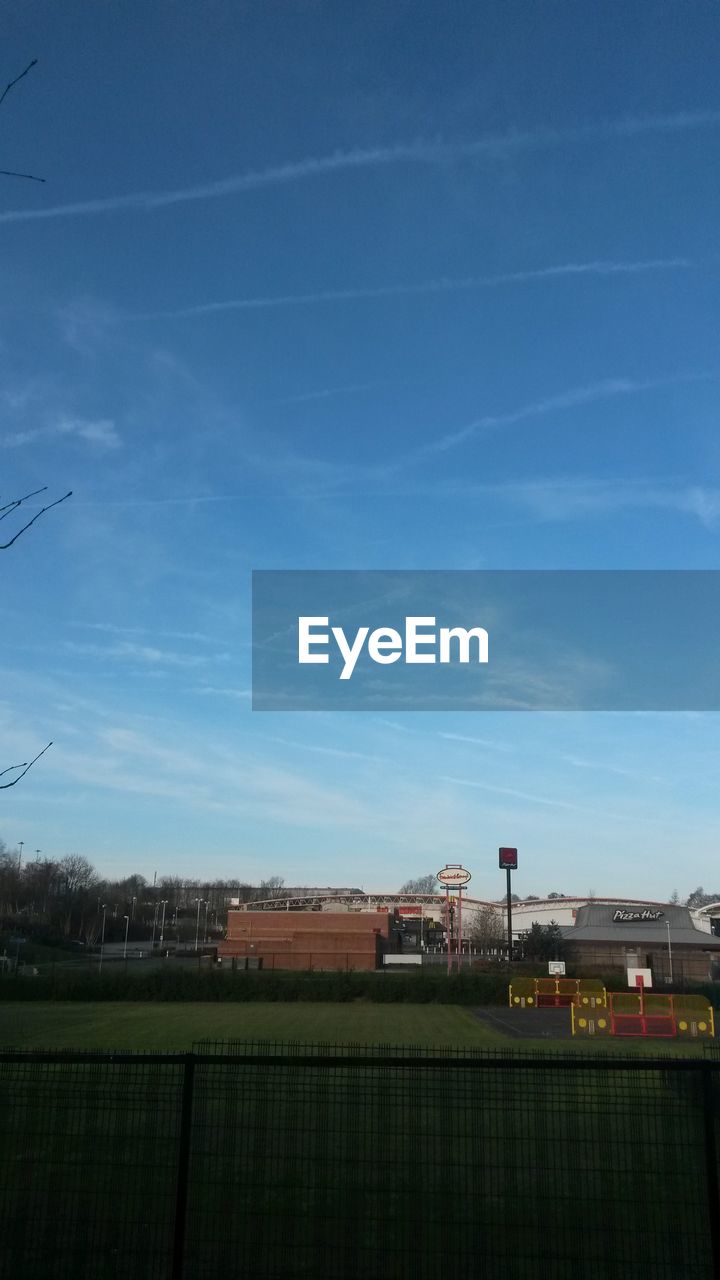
(641, 1013)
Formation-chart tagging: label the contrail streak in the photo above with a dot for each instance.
(458, 285)
(599, 391)
(420, 152)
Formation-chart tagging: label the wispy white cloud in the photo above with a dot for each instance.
(605, 766)
(146, 655)
(575, 397)
(178, 500)
(464, 284)
(99, 433)
(239, 695)
(420, 152)
(578, 497)
(208, 777)
(338, 752)
(86, 324)
(327, 393)
(111, 628)
(529, 796)
(476, 742)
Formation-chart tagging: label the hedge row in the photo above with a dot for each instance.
(181, 984)
(211, 985)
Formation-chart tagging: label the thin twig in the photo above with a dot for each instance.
(10, 173)
(12, 83)
(4, 785)
(4, 545)
(12, 506)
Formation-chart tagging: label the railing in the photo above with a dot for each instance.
(300, 1162)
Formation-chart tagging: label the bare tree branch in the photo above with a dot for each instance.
(12, 506)
(4, 785)
(10, 173)
(12, 83)
(4, 545)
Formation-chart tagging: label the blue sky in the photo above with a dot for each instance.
(371, 286)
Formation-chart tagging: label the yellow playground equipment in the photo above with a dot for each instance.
(556, 993)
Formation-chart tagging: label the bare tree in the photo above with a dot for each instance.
(487, 929)
(79, 879)
(10, 507)
(422, 884)
(7, 510)
(272, 887)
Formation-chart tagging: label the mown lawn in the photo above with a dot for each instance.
(176, 1026)
(352, 1169)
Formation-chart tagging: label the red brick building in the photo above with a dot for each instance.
(307, 940)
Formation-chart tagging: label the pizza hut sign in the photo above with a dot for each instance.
(624, 915)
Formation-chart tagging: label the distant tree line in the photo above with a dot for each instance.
(63, 901)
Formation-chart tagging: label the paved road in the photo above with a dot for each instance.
(528, 1024)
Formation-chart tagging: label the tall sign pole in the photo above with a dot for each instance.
(453, 876)
(509, 916)
(508, 859)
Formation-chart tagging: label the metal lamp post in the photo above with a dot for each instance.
(667, 926)
(127, 926)
(207, 904)
(102, 935)
(163, 904)
(197, 922)
(21, 844)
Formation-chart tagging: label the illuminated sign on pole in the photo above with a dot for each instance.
(508, 862)
(453, 876)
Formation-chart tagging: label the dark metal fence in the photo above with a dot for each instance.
(300, 1162)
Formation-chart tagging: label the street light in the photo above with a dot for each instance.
(127, 926)
(163, 904)
(207, 904)
(21, 844)
(102, 936)
(667, 926)
(197, 922)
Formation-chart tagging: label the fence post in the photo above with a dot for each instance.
(711, 1164)
(183, 1169)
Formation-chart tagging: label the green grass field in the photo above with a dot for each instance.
(383, 1170)
(176, 1026)
(345, 1171)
